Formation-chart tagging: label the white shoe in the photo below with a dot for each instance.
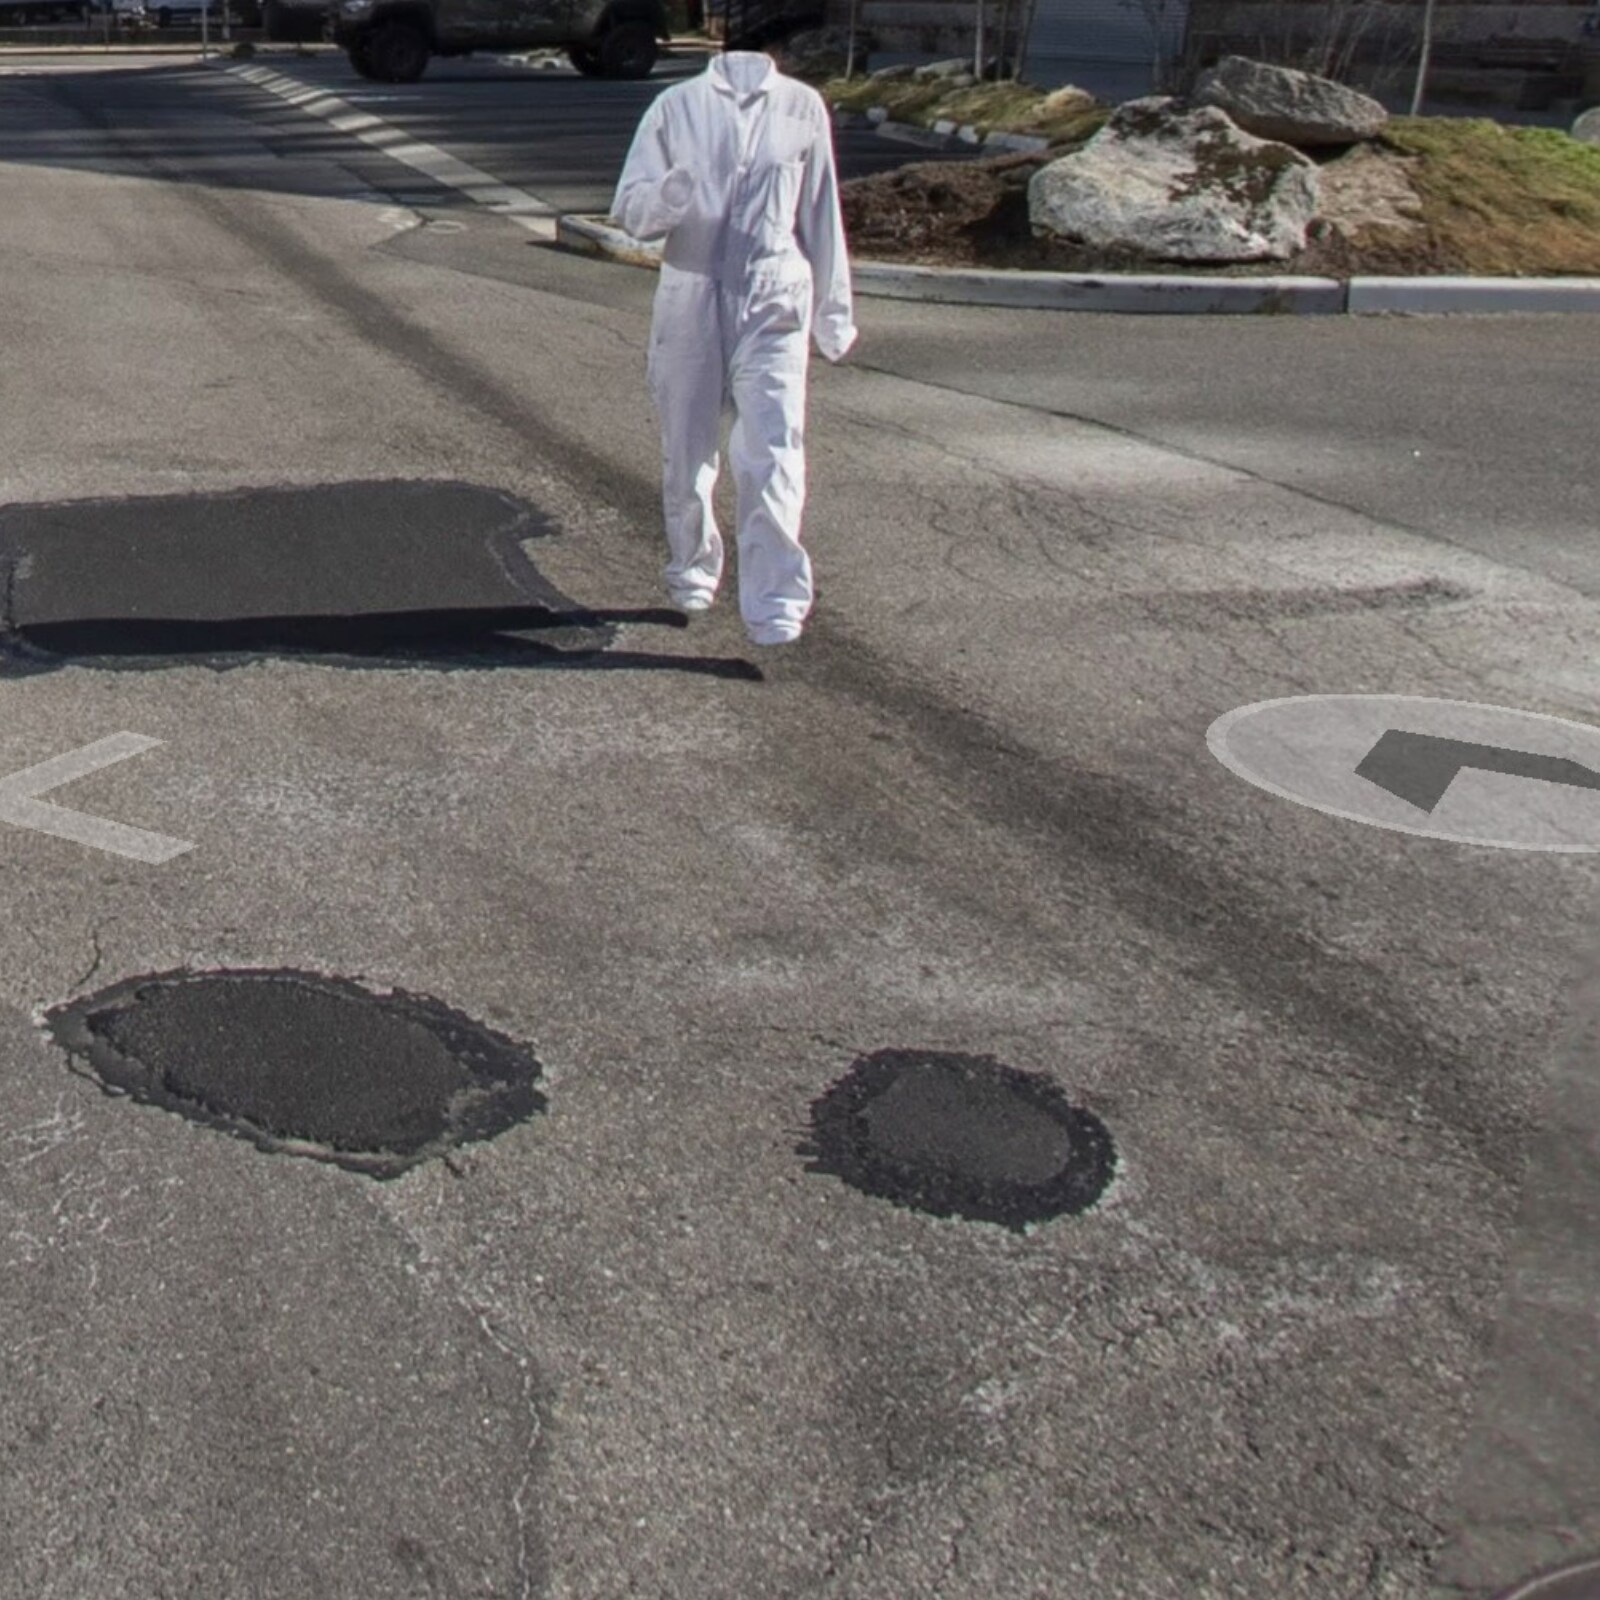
(695, 604)
(771, 633)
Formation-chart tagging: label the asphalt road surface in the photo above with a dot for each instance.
(342, 488)
(550, 130)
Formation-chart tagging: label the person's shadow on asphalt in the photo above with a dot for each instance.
(404, 574)
(464, 638)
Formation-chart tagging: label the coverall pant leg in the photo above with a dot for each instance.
(687, 371)
(748, 343)
(768, 344)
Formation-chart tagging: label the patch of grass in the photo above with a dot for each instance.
(1064, 116)
(906, 99)
(1503, 201)
(1068, 128)
(990, 105)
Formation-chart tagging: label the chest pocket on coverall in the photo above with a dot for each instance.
(779, 295)
(783, 199)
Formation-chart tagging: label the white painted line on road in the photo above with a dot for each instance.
(356, 121)
(482, 188)
(20, 805)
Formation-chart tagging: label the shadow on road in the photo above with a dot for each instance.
(471, 638)
(404, 573)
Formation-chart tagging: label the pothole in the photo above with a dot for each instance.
(960, 1136)
(306, 1065)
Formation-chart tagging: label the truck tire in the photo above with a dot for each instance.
(628, 51)
(586, 58)
(358, 59)
(397, 52)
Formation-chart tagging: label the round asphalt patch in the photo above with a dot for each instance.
(301, 1064)
(1444, 769)
(959, 1135)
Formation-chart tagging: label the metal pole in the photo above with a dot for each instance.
(205, 32)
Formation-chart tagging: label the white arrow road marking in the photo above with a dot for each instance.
(20, 805)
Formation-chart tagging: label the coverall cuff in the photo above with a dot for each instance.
(834, 339)
(651, 210)
(677, 189)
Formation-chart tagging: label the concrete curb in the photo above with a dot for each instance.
(218, 46)
(1371, 296)
(1136, 293)
(556, 60)
(1156, 293)
(596, 238)
(943, 135)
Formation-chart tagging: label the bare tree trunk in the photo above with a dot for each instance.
(1024, 34)
(1423, 58)
(850, 52)
(1003, 49)
(977, 42)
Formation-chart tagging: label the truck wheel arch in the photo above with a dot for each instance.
(621, 11)
(412, 15)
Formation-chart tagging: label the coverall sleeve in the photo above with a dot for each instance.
(820, 230)
(652, 195)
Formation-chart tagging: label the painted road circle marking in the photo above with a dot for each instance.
(1443, 769)
(1580, 1582)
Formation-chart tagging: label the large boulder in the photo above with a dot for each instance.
(1298, 108)
(1587, 127)
(1178, 185)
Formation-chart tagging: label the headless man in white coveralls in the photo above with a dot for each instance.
(735, 169)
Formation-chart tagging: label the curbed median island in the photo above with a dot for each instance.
(1264, 190)
(1393, 197)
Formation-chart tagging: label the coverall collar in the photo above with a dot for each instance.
(748, 77)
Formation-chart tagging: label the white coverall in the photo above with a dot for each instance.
(735, 169)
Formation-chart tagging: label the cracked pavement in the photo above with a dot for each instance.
(631, 1347)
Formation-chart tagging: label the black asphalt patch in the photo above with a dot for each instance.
(301, 1064)
(960, 1135)
(409, 573)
